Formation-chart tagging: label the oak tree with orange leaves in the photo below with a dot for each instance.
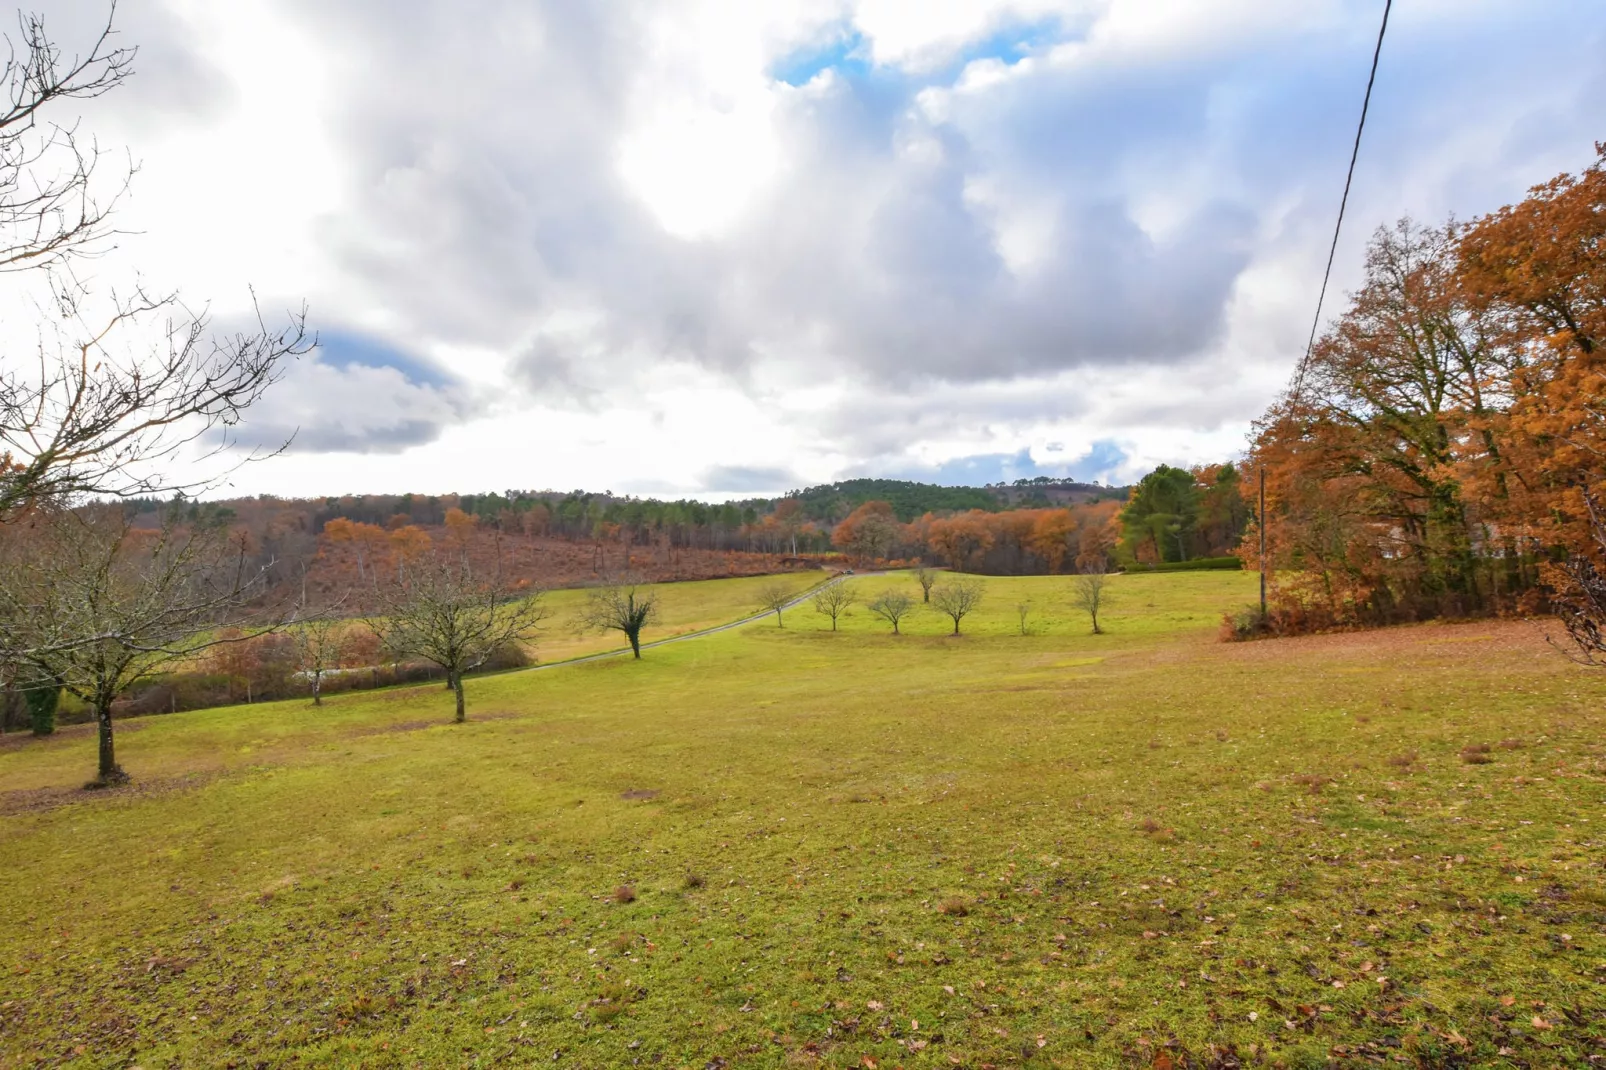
(1435, 456)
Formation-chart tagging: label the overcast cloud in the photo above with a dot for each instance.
(714, 248)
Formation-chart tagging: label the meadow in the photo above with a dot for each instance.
(682, 608)
(783, 846)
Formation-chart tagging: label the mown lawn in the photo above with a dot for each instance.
(784, 847)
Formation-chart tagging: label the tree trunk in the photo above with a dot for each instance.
(110, 772)
(956, 625)
(457, 689)
(634, 635)
(317, 696)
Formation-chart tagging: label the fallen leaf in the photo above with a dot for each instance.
(874, 1004)
(1540, 1023)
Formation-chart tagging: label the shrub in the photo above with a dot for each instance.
(507, 656)
(1231, 564)
(42, 699)
(1245, 624)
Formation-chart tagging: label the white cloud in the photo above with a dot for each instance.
(640, 260)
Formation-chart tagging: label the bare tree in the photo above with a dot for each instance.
(97, 408)
(50, 210)
(892, 607)
(320, 643)
(439, 610)
(927, 578)
(956, 598)
(621, 608)
(97, 416)
(834, 599)
(1023, 611)
(774, 597)
(90, 600)
(1087, 594)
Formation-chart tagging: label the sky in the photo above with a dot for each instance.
(720, 249)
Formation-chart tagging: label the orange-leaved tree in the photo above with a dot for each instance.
(869, 533)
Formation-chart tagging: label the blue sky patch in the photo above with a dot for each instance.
(342, 349)
(1101, 462)
(1012, 42)
(846, 51)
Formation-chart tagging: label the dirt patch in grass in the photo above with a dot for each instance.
(1483, 639)
(68, 732)
(433, 722)
(43, 800)
(399, 726)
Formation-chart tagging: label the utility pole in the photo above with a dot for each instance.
(1262, 526)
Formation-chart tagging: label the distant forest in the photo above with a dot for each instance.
(576, 513)
(339, 547)
(684, 523)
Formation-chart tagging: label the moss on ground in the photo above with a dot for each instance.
(786, 847)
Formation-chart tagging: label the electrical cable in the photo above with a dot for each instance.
(1299, 377)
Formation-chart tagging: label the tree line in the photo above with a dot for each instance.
(1188, 513)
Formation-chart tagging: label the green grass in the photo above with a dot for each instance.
(1140, 849)
(682, 608)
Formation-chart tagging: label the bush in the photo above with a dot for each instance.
(1247, 623)
(267, 667)
(42, 700)
(507, 656)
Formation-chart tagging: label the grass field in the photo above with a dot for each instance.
(682, 608)
(786, 847)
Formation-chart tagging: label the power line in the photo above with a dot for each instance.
(1299, 377)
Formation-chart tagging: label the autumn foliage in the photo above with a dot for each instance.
(1434, 455)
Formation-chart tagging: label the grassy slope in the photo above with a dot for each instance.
(683, 607)
(367, 885)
